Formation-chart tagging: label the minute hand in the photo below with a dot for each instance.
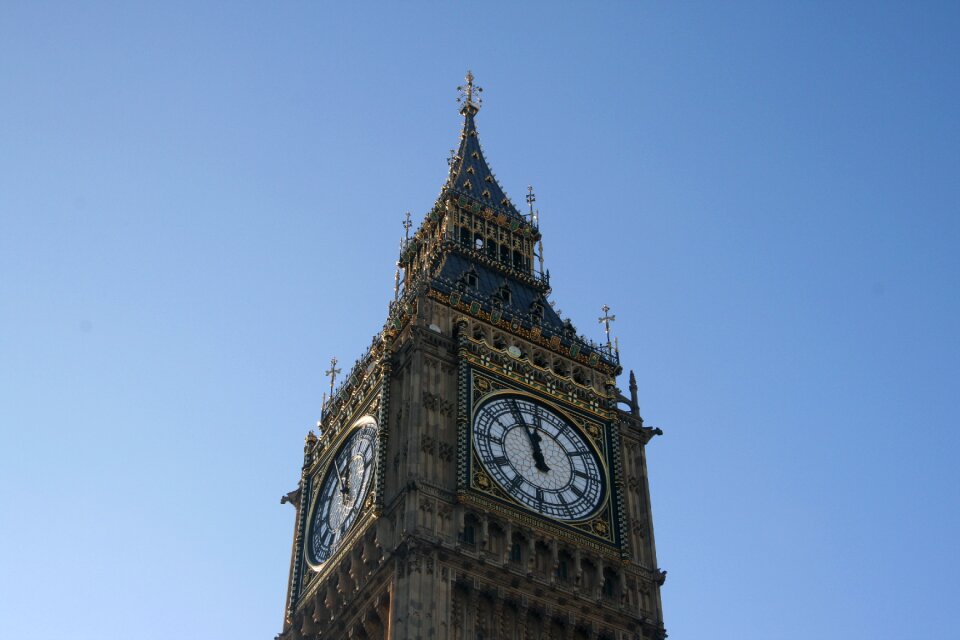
(535, 438)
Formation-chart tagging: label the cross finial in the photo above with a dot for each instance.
(471, 101)
(396, 276)
(333, 374)
(406, 225)
(605, 321)
(531, 198)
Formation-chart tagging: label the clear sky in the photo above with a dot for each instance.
(200, 204)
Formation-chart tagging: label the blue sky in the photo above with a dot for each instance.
(200, 204)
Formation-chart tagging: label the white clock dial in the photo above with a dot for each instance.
(343, 491)
(538, 457)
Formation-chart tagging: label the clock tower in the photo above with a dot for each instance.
(477, 474)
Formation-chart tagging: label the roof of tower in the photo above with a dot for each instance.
(470, 175)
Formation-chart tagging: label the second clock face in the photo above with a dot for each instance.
(538, 457)
(343, 491)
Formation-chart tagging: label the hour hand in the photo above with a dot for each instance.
(538, 460)
(535, 439)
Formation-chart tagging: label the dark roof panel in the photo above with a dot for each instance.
(470, 175)
(489, 282)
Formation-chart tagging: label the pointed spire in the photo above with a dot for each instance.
(470, 176)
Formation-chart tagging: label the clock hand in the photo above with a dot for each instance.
(538, 453)
(534, 437)
(344, 489)
(541, 464)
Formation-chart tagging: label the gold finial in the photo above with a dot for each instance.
(396, 276)
(471, 101)
(333, 374)
(605, 321)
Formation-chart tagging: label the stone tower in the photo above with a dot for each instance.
(478, 474)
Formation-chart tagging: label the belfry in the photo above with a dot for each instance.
(477, 474)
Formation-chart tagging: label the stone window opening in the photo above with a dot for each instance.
(611, 584)
(558, 368)
(578, 376)
(544, 560)
(469, 535)
(516, 549)
(564, 564)
(495, 536)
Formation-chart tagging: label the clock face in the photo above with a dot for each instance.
(538, 457)
(343, 491)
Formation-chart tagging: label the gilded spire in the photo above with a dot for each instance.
(333, 374)
(605, 321)
(470, 96)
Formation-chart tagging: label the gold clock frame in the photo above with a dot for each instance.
(600, 531)
(600, 457)
(321, 471)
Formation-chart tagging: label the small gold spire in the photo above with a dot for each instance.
(333, 374)
(605, 321)
(470, 96)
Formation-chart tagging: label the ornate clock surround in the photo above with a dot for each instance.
(319, 478)
(485, 371)
(367, 393)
